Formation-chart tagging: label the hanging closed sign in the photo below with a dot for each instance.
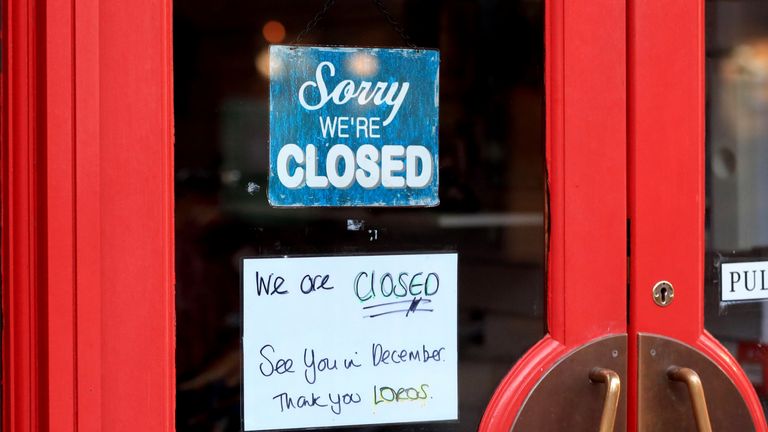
(353, 126)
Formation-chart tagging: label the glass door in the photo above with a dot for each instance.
(491, 189)
(695, 157)
(601, 187)
(736, 221)
(532, 163)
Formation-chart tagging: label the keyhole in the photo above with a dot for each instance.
(663, 293)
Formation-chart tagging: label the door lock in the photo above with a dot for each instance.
(663, 293)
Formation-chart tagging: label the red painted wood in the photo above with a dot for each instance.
(714, 350)
(87, 202)
(60, 264)
(91, 278)
(666, 187)
(588, 235)
(586, 165)
(136, 191)
(513, 390)
(20, 239)
(666, 162)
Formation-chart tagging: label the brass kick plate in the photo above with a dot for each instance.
(665, 405)
(566, 400)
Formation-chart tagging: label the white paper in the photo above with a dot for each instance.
(382, 356)
(744, 281)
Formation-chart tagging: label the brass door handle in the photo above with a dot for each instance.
(695, 392)
(612, 391)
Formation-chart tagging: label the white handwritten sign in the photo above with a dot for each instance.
(349, 340)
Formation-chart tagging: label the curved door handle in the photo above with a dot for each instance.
(696, 393)
(612, 391)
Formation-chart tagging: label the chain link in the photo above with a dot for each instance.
(379, 5)
(313, 22)
(394, 23)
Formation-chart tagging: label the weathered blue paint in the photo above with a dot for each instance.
(291, 122)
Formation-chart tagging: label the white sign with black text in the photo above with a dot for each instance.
(349, 340)
(744, 281)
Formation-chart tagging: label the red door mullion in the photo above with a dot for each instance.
(88, 225)
(666, 187)
(666, 183)
(21, 210)
(87, 182)
(585, 80)
(60, 266)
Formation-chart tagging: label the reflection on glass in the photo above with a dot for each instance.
(491, 183)
(737, 172)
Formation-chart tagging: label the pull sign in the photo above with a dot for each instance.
(353, 126)
(741, 281)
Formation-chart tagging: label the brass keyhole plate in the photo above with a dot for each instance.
(663, 293)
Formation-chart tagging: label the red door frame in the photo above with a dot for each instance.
(88, 300)
(585, 81)
(666, 187)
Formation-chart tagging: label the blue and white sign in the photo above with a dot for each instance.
(353, 126)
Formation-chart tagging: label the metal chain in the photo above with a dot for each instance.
(313, 22)
(379, 5)
(394, 23)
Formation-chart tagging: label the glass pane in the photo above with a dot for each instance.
(491, 183)
(737, 177)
